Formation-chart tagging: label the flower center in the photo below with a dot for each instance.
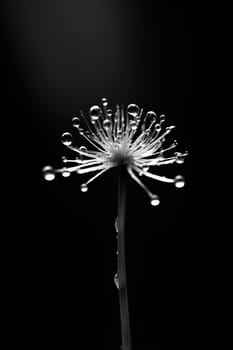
(120, 156)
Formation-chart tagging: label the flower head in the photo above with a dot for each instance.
(120, 137)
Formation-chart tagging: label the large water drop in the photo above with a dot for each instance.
(95, 112)
(66, 139)
(133, 110)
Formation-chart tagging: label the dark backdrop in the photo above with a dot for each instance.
(61, 56)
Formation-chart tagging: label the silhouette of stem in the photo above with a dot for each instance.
(123, 296)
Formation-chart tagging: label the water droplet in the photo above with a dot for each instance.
(179, 181)
(81, 131)
(104, 101)
(66, 139)
(65, 173)
(107, 124)
(109, 112)
(155, 200)
(76, 122)
(151, 114)
(48, 173)
(162, 118)
(133, 110)
(133, 125)
(158, 127)
(179, 158)
(116, 280)
(116, 224)
(83, 149)
(95, 112)
(64, 159)
(83, 188)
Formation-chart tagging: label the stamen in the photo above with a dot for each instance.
(135, 178)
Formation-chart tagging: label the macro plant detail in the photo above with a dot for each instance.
(135, 143)
(123, 137)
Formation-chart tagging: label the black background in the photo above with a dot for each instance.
(59, 57)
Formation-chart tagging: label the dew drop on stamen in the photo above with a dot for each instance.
(48, 173)
(133, 110)
(179, 158)
(155, 200)
(158, 127)
(66, 139)
(104, 101)
(83, 149)
(95, 112)
(116, 280)
(109, 112)
(107, 124)
(81, 131)
(83, 188)
(179, 181)
(151, 114)
(116, 224)
(65, 173)
(133, 125)
(162, 118)
(76, 122)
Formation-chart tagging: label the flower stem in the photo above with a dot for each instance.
(123, 296)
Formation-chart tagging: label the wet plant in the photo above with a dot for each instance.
(135, 142)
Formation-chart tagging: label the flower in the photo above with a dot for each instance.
(117, 138)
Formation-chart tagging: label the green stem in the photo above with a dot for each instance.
(123, 296)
